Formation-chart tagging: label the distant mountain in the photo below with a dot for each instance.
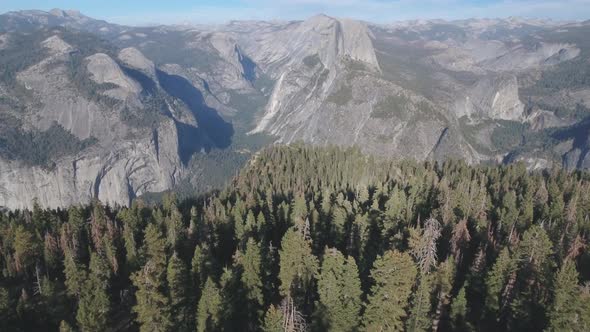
(30, 20)
(124, 111)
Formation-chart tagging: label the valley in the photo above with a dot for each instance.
(151, 109)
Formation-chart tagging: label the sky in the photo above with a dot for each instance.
(142, 12)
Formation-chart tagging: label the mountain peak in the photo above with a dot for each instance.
(321, 18)
(57, 12)
(66, 13)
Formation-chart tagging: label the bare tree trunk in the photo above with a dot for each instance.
(37, 289)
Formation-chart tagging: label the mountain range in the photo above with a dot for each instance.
(94, 110)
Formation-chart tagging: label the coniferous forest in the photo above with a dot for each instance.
(313, 239)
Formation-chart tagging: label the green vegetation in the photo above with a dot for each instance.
(341, 97)
(571, 74)
(150, 115)
(318, 238)
(508, 134)
(163, 48)
(37, 148)
(23, 51)
(311, 60)
(392, 106)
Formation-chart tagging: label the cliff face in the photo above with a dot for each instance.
(424, 90)
(124, 110)
(115, 176)
(492, 97)
(94, 98)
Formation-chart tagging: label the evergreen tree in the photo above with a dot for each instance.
(529, 305)
(394, 275)
(176, 231)
(503, 232)
(567, 311)
(177, 276)
(153, 305)
(339, 289)
(94, 306)
(444, 279)
(132, 222)
(498, 278)
(298, 264)
(75, 276)
(26, 248)
(459, 312)
(420, 313)
(208, 310)
(273, 320)
(251, 264)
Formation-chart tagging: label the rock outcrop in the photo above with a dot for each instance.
(104, 69)
(134, 59)
(125, 160)
(145, 100)
(492, 98)
(115, 175)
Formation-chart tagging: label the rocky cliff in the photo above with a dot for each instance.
(99, 97)
(90, 109)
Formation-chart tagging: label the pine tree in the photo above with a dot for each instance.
(175, 228)
(251, 263)
(273, 320)
(299, 209)
(94, 306)
(177, 276)
(338, 225)
(529, 305)
(444, 279)
(566, 311)
(459, 312)
(339, 289)
(394, 275)
(502, 271)
(420, 312)
(75, 275)
(208, 310)
(153, 305)
(132, 222)
(298, 264)
(26, 248)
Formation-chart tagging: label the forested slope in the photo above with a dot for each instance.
(317, 239)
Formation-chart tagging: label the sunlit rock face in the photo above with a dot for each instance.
(128, 108)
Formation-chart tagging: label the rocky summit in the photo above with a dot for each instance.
(90, 109)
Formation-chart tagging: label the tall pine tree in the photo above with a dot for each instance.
(394, 275)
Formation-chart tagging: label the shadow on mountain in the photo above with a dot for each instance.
(211, 124)
(147, 84)
(248, 65)
(578, 132)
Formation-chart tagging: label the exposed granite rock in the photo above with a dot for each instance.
(428, 90)
(492, 97)
(115, 175)
(56, 45)
(104, 69)
(133, 58)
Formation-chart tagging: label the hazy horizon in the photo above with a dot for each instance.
(379, 11)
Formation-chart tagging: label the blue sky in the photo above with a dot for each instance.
(138, 12)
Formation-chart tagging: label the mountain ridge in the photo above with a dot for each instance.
(160, 101)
